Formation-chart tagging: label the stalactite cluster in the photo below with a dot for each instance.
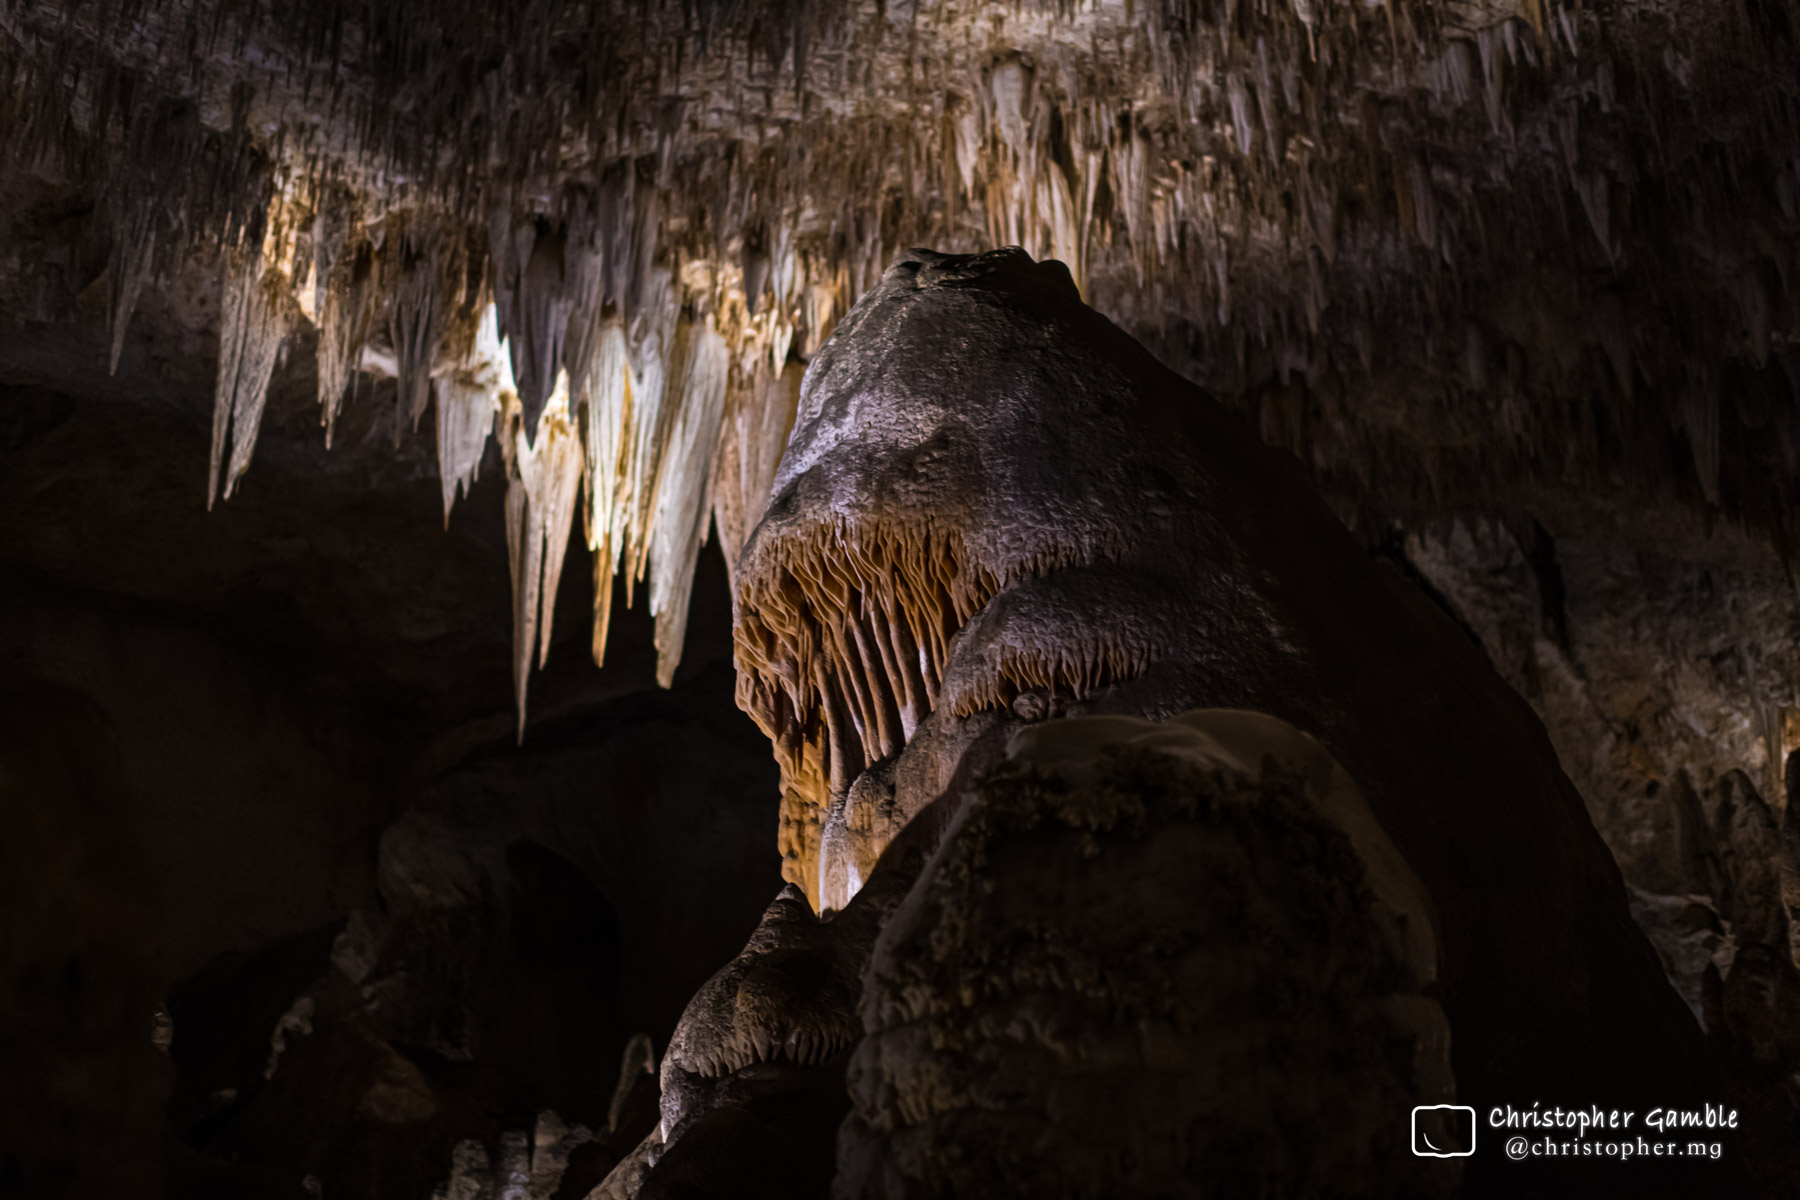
(1426, 244)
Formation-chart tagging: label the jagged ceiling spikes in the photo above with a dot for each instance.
(1073, 151)
(558, 492)
(541, 309)
(415, 327)
(332, 222)
(584, 284)
(510, 240)
(657, 343)
(128, 268)
(615, 220)
(682, 508)
(252, 325)
(524, 554)
(754, 432)
(608, 402)
(469, 398)
(544, 480)
(343, 317)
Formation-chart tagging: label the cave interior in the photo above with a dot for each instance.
(475, 480)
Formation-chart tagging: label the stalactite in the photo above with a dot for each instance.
(128, 269)
(1252, 194)
(538, 323)
(543, 483)
(344, 319)
(554, 495)
(655, 343)
(608, 392)
(415, 327)
(682, 509)
(755, 431)
(469, 398)
(252, 324)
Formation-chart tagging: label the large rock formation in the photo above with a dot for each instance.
(997, 509)
(1511, 280)
(1151, 959)
(1490, 255)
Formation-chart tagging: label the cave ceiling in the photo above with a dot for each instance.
(370, 375)
(1514, 258)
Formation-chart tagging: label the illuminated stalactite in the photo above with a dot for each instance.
(1427, 246)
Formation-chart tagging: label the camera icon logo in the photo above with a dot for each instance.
(1443, 1131)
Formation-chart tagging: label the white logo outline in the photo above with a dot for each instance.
(1418, 1136)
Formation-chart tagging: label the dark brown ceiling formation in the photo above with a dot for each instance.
(330, 327)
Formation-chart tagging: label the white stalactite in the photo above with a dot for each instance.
(626, 246)
(655, 328)
(755, 432)
(469, 397)
(543, 484)
(682, 509)
(252, 324)
(608, 394)
(673, 420)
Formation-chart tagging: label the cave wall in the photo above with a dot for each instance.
(241, 770)
(1512, 281)
(1664, 670)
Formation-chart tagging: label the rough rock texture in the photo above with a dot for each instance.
(753, 1082)
(1528, 264)
(1663, 671)
(531, 915)
(996, 502)
(1153, 960)
(279, 899)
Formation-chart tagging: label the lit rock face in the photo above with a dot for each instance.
(1154, 959)
(1662, 666)
(753, 1083)
(997, 509)
(1494, 256)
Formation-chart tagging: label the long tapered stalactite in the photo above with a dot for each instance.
(1424, 245)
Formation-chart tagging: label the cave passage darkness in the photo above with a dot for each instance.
(897, 598)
